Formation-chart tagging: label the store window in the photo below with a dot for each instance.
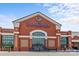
(38, 40)
(64, 42)
(7, 41)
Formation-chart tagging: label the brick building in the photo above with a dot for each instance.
(37, 32)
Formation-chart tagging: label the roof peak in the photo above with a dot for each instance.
(34, 14)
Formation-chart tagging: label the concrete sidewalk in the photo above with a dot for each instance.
(23, 53)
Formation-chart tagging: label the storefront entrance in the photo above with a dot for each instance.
(38, 39)
(64, 42)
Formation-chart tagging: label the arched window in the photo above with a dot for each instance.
(38, 39)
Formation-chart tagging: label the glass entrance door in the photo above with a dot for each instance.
(38, 41)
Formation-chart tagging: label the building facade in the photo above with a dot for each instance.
(37, 32)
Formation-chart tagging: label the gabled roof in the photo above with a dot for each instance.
(34, 14)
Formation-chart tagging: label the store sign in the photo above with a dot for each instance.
(38, 22)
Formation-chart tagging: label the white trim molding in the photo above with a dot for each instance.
(16, 24)
(65, 35)
(23, 36)
(38, 31)
(58, 27)
(16, 32)
(51, 37)
(75, 40)
(7, 34)
(58, 33)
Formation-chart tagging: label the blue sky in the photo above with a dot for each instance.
(66, 14)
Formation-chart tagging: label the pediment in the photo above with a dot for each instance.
(16, 22)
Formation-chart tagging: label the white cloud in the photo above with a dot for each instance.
(72, 20)
(65, 13)
(6, 21)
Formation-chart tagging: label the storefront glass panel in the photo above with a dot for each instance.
(7, 41)
(37, 41)
(64, 42)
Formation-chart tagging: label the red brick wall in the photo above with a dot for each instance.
(25, 29)
(16, 39)
(29, 44)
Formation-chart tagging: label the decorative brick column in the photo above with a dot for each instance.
(46, 43)
(69, 40)
(16, 39)
(0, 38)
(58, 38)
(30, 44)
